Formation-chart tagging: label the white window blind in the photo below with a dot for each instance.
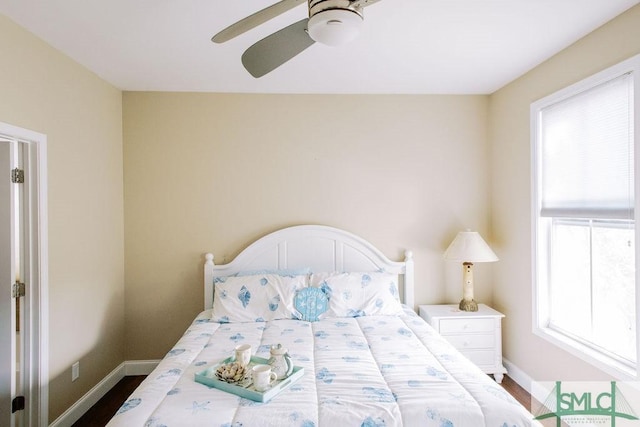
(587, 146)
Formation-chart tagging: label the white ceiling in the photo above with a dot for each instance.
(407, 46)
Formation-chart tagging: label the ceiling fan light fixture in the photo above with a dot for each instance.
(335, 27)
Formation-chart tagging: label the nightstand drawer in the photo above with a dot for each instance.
(463, 326)
(463, 342)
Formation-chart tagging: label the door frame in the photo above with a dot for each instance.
(36, 301)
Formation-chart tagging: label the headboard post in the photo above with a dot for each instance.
(208, 281)
(409, 297)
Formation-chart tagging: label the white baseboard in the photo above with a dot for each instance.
(518, 375)
(140, 367)
(535, 389)
(78, 409)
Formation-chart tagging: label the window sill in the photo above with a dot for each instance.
(600, 360)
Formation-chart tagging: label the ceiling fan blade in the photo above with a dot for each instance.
(276, 49)
(255, 19)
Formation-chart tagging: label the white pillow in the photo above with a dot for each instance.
(255, 298)
(359, 294)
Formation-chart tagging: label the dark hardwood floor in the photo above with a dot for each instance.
(520, 394)
(100, 414)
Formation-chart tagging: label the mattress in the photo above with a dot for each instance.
(364, 371)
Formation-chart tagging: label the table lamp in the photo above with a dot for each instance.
(469, 247)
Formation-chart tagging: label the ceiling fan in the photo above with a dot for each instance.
(331, 22)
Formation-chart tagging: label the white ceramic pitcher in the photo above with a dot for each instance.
(280, 361)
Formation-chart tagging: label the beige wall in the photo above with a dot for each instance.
(511, 214)
(212, 172)
(44, 91)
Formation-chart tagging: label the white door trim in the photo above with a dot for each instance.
(36, 334)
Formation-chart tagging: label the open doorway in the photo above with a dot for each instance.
(23, 278)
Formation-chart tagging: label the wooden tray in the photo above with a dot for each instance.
(208, 378)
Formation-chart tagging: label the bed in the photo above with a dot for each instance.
(368, 359)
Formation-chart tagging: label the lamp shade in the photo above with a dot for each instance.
(469, 246)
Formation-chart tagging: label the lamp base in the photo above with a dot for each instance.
(468, 305)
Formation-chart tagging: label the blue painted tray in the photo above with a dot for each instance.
(245, 389)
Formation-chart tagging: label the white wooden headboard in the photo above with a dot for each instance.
(320, 248)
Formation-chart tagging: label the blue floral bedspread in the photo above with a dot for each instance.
(368, 371)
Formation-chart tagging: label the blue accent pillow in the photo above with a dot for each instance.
(310, 303)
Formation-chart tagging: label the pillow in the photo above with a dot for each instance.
(288, 272)
(255, 298)
(310, 304)
(359, 294)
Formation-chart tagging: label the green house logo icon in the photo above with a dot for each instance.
(605, 404)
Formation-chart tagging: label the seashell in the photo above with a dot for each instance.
(244, 296)
(231, 372)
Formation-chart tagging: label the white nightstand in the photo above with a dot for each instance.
(478, 335)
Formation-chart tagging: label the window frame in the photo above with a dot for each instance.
(540, 288)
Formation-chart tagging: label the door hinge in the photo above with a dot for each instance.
(17, 404)
(18, 290)
(17, 176)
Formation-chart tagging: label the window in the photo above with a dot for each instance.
(583, 218)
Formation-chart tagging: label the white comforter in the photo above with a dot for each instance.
(366, 371)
